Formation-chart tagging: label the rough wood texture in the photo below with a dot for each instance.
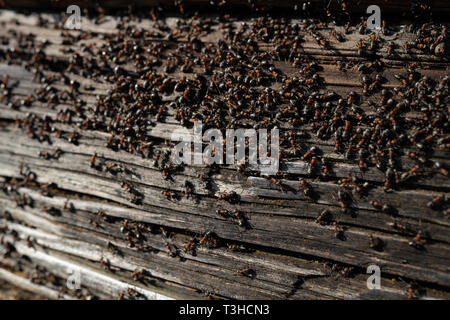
(73, 213)
(353, 6)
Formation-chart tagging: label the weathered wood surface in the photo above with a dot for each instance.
(351, 6)
(291, 255)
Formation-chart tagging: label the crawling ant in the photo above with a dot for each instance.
(94, 223)
(411, 293)
(413, 290)
(74, 138)
(242, 167)
(416, 242)
(307, 190)
(56, 154)
(406, 175)
(346, 181)
(23, 201)
(309, 153)
(188, 187)
(45, 155)
(347, 272)
(377, 205)
(102, 215)
(132, 292)
(375, 243)
(137, 275)
(172, 250)
(400, 227)
(209, 239)
(250, 273)
(111, 143)
(241, 219)
(190, 246)
(156, 159)
(130, 240)
(124, 226)
(93, 158)
(136, 200)
(51, 211)
(164, 232)
(275, 182)
(231, 197)
(223, 213)
(437, 202)
(113, 168)
(312, 165)
(112, 248)
(337, 35)
(325, 170)
(166, 174)
(444, 172)
(205, 237)
(105, 264)
(324, 217)
(441, 169)
(9, 247)
(125, 186)
(362, 164)
(21, 168)
(30, 177)
(239, 248)
(344, 200)
(362, 189)
(166, 193)
(339, 233)
(29, 242)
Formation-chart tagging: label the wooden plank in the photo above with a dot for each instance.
(311, 236)
(290, 254)
(52, 243)
(358, 7)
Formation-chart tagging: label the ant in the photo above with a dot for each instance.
(250, 273)
(241, 219)
(172, 250)
(209, 240)
(338, 232)
(362, 189)
(188, 188)
(376, 243)
(136, 200)
(437, 202)
(113, 248)
(126, 186)
(231, 197)
(51, 211)
(137, 275)
(239, 248)
(275, 182)
(93, 158)
(324, 217)
(74, 138)
(113, 168)
(164, 232)
(307, 190)
(344, 200)
(223, 213)
(105, 263)
(166, 193)
(417, 242)
(190, 246)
